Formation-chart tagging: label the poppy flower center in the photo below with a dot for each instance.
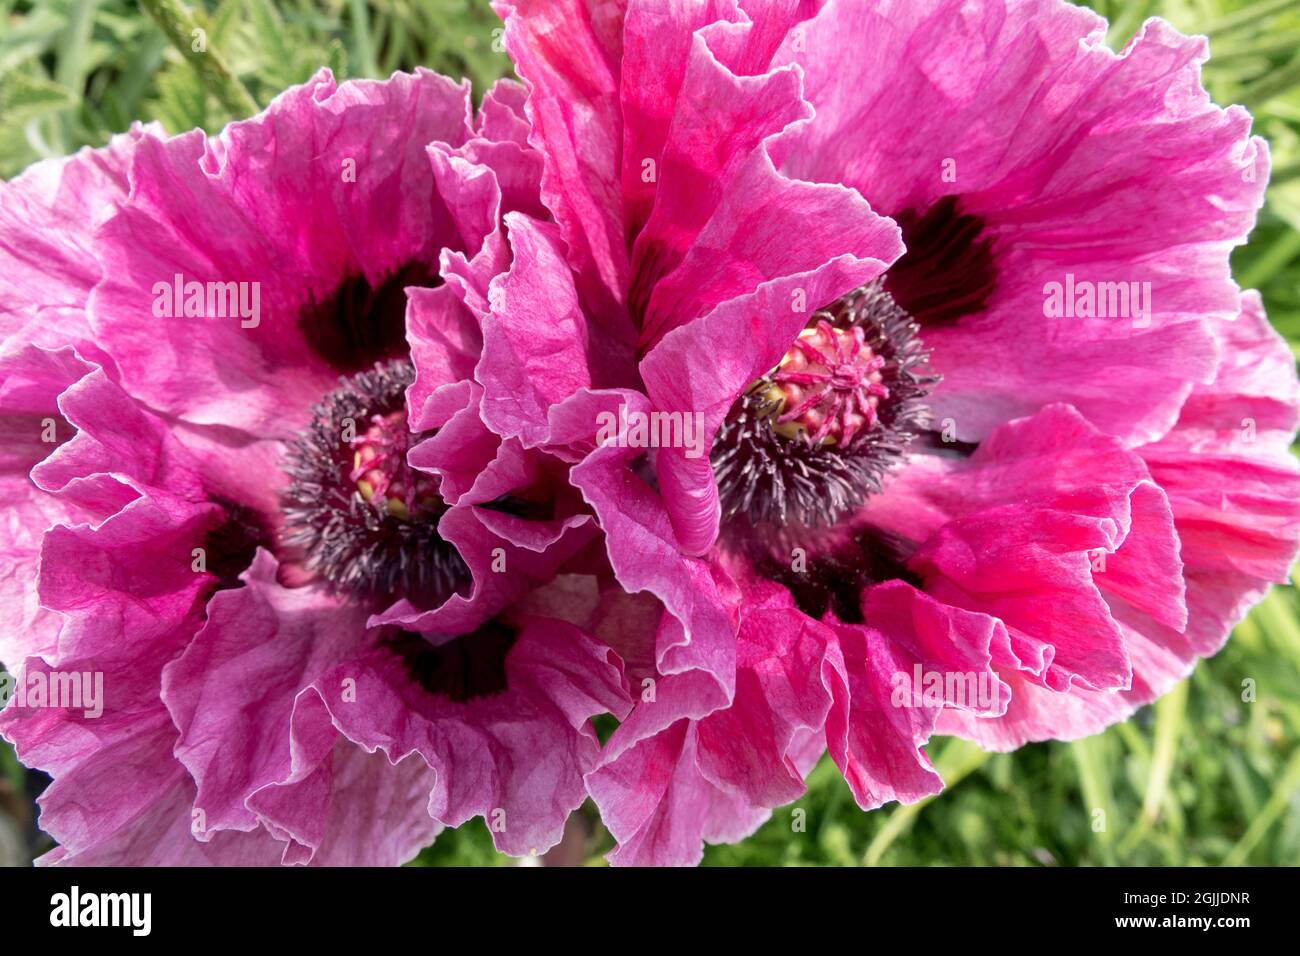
(381, 473)
(356, 513)
(828, 385)
(808, 442)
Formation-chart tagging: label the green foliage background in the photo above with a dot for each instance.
(1200, 778)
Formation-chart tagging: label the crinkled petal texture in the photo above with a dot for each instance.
(1047, 529)
(679, 266)
(48, 217)
(316, 208)
(1078, 167)
(1233, 487)
(260, 717)
(33, 426)
(117, 575)
(293, 716)
(1118, 490)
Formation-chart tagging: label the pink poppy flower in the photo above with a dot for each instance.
(255, 503)
(1009, 478)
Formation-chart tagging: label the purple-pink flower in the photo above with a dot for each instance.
(1025, 432)
(315, 586)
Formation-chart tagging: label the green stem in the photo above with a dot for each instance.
(1247, 16)
(1284, 174)
(958, 760)
(70, 70)
(359, 13)
(1271, 84)
(1274, 808)
(1170, 713)
(1251, 49)
(1273, 260)
(1094, 781)
(178, 24)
